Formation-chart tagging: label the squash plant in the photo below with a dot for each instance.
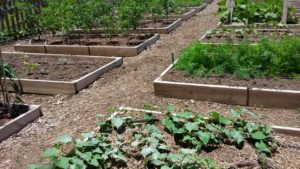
(123, 139)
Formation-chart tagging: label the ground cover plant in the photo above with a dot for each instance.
(248, 12)
(123, 139)
(269, 58)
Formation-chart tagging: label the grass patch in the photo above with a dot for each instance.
(269, 58)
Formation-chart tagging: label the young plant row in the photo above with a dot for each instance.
(111, 15)
(269, 58)
(173, 141)
(249, 12)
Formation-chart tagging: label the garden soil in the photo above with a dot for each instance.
(131, 86)
(54, 68)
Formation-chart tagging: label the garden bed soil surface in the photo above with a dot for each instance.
(54, 68)
(95, 40)
(223, 37)
(231, 80)
(132, 85)
(17, 109)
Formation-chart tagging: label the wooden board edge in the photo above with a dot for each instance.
(90, 78)
(20, 122)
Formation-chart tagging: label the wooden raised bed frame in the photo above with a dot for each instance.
(186, 16)
(125, 51)
(52, 87)
(199, 8)
(244, 96)
(260, 25)
(163, 30)
(20, 122)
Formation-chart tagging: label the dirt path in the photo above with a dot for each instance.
(130, 85)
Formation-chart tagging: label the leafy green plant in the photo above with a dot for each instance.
(123, 138)
(6, 74)
(269, 58)
(248, 12)
(30, 65)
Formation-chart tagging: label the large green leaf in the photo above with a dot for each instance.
(51, 152)
(64, 139)
(204, 136)
(192, 126)
(258, 135)
(262, 147)
(117, 122)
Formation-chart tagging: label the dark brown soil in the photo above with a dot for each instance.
(91, 40)
(16, 110)
(53, 68)
(231, 80)
(220, 36)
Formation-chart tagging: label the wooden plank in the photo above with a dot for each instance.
(202, 92)
(186, 16)
(67, 49)
(30, 48)
(292, 131)
(289, 99)
(90, 78)
(285, 11)
(20, 122)
(46, 86)
(199, 8)
(147, 43)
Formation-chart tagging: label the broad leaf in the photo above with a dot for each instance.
(51, 152)
(117, 122)
(258, 135)
(64, 139)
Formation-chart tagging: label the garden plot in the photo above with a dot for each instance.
(185, 14)
(58, 74)
(223, 35)
(22, 115)
(96, 45)
(161, 26)
(132, 138)
(242, 74)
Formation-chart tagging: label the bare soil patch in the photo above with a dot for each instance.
(54, 68)
(231, 80)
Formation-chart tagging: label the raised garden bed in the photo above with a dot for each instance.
(58, 74)
(161, 26)
(223, 35)
(262, 25)
(266, 92)
(199, 8)
(184, 15)
(25, 115)
(98, 45)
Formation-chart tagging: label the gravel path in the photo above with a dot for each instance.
(130, 85)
